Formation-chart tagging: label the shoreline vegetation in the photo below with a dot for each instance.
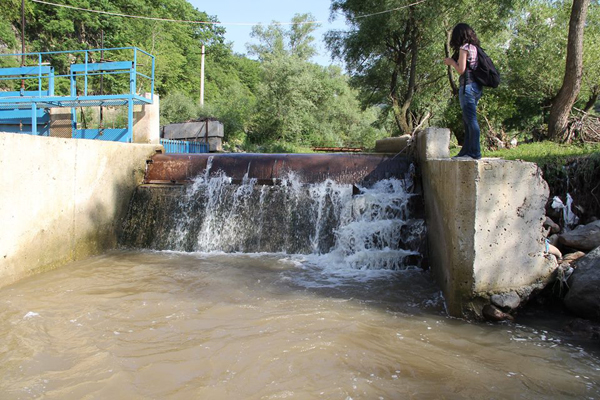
(275, 98)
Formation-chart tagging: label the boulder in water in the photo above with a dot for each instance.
(584, 237)
(493, 313)
(583, 298)
(583, 328)
(506, 301)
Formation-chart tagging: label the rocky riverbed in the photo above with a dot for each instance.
(574, 289)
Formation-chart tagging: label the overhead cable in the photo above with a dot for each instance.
(213, 22)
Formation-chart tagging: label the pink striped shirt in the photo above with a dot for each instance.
(472, 57)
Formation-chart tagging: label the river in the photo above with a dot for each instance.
(174, 325)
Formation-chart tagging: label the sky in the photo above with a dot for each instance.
(266, 11)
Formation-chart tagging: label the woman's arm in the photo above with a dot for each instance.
(461, 65)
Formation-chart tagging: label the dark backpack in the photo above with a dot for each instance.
(485, 74)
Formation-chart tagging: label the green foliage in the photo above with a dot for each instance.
(395, 60)
(301, 103)
(280, 103)
(545, 152)
(283, 102)
(177, 47)
(177, 107)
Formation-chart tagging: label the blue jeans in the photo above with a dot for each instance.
(469, 96)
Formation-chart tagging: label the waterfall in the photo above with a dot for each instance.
(362, 227)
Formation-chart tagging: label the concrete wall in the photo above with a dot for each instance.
(484, 221)
(146, 128)
(62, 199)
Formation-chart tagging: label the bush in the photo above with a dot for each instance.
(177, 107)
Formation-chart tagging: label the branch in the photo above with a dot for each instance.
(423, 120)
(449, 68)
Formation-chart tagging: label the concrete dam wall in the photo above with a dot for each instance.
(67, 199)
(362, 210)
(62, 199)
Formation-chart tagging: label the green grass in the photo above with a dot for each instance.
(276, 148)
(543, 153)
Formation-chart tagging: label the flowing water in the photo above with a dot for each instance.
(166, 325)
(376, 227)
(270, 292)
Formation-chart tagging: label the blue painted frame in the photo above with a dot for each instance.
(42, 99)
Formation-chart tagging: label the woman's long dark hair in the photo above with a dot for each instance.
(462, 34)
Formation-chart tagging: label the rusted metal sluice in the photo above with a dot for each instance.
(269, 169)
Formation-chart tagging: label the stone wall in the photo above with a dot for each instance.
(62, 199)
(484, 220)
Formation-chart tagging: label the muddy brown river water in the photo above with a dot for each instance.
(166, 325)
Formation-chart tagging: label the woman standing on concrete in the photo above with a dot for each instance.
(464, 41)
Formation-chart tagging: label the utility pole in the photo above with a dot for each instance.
(202, 78)
(23, 32)
(101, 79)
(22, 53)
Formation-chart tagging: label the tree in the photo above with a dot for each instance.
(561, 107)
(300, 103)
(274, 41)
(395, 56)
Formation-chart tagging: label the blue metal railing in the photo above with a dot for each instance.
(40, 71)
(45, 74)
(184, 146)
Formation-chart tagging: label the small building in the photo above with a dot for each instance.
(205, 130)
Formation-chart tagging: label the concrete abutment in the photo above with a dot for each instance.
(484, 220)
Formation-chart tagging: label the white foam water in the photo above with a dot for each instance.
(371, 229)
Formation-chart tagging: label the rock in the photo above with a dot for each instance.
(492, 313)
(571, 257)
(554, 227)
(506, 301)
(553, 240)
(555, 251)
(584, 237)
(583, 298)
(583, 328)
(393, 144)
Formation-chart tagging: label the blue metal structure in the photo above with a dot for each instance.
(184, 146)
(16, 106)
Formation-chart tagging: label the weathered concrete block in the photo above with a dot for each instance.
(393, 144)
(484, 223)
(432, 143)
(147, 125)
(193, 130)
(215, 144)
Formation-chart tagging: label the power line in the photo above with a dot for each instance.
(390, 10)
(213, 22)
